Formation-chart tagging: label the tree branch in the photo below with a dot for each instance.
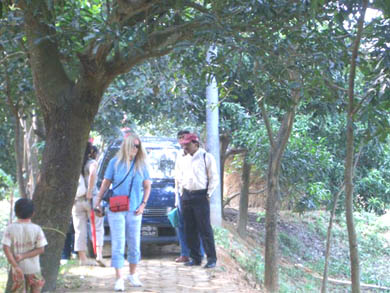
(132, 10)
(229, 199)
(46, 66)
(12, 55)
(266, 122)
(232, 152)
(157, 44)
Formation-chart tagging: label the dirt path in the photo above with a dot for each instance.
(159, 273)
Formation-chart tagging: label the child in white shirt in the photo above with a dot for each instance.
(23, 242)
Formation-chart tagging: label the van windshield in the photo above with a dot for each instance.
(162, 162)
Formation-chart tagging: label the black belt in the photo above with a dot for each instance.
(195, 192)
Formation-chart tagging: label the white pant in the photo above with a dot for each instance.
(81, 212)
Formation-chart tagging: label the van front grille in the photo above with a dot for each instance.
(159, 212)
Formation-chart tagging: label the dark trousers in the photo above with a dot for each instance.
(69, 241)
(196, 214)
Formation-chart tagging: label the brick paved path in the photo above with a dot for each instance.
(159, 273)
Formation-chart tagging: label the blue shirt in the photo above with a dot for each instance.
(116, 172)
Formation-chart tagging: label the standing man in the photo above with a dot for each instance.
(180, 230)
(181, 156)
(200, 179)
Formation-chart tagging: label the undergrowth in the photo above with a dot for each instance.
(302, 243)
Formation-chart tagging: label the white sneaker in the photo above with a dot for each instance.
(134, 280)
(119, 285)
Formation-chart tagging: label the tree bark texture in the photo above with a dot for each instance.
(348, 176)
(56, 188)
(244, 197)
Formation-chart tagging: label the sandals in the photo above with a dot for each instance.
(100, 263)
(88, 262)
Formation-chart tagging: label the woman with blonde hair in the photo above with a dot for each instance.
(128, 173)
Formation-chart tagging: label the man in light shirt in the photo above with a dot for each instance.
(199, 180)
(181, 234)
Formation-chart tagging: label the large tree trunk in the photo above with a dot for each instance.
(244, 197)
(348, 176)
(66, 137)
(68, 110)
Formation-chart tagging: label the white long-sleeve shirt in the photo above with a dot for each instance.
(196, 170)
(181, 157)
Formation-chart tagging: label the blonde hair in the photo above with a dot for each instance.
(124, 153)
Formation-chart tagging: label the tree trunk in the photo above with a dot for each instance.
(67, 130)
(18, 144)
(271, 272)
(328, 238)
(348, 176)
(329, 233)
(244, 197)
(19, 153)
(66, 138)
(353, 246)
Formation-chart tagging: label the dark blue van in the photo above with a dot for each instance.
(162, 154)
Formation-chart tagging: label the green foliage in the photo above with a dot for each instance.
(151, 101)
(373, 188)
(7, 155)
(6, 184)
(260, 217)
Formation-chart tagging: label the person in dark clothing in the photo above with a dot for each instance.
(199, 180)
